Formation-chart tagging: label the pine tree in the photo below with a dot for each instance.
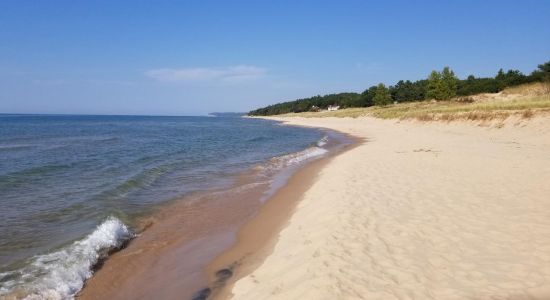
(382, 96)
(435, 86)
(450, 83)
(544, 69)
(442, 85)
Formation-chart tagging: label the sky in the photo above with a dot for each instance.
(197, 57)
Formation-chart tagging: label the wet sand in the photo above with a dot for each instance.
(257, 237)
(169, 259)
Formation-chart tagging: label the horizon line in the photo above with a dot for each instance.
(114, 115)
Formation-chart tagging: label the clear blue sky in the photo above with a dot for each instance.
(182, 58)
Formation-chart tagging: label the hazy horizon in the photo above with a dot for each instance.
(172, 59)
(208, 114)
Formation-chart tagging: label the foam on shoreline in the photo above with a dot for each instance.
(61, 274)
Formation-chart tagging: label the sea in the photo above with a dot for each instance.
(73, 187)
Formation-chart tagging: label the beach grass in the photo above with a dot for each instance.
(524, 101)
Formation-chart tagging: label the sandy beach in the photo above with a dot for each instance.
(261, 150)
(420, 210)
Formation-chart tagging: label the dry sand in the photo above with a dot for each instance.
(419, 211)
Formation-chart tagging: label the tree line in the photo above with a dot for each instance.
(440, 85)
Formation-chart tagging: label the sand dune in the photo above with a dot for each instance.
(419, 211)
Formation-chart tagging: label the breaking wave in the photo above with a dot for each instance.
(61, 274)
(280, 162)
(323, 141)
(298, 157)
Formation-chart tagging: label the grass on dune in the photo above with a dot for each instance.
(524, 101)
(450, 110)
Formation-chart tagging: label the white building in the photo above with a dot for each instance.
(333, 107)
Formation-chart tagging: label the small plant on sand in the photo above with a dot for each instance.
(527, 114)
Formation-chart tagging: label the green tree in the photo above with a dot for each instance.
(439, 85)
(404, 91)
(382, 96)
(544, 70)
(500, 75)
(367, 97)
(435, 88)
(442, 85)
(450, 83)
(545, 67)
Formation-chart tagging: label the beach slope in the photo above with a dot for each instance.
(419, 211)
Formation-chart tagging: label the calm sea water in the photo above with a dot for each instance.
(70, 186)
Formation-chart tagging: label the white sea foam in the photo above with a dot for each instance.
(61, 274)
(292, 159)
(306, 154)
(322, 141)
(280, 168)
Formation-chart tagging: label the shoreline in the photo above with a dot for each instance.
(168, 259)
(256, 238)
(424, 210)
(406, 209)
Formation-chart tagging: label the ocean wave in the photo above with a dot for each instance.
(323, 141)
(142, 179)
(309, 153)
(25, 176)
(61, 274)
(280, 162)
(15, 147)
(257, 139)
(107, 140)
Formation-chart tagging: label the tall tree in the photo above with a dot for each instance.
(382, 96)
(450, 83)
(367, 97)
(442, 85)
(544, 70)
(545, 67)
(500, 75)
(435, 86)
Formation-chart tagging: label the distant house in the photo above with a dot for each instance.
(333, 107)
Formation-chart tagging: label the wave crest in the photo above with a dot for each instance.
(61, 274)
(323, 141)
(281, 162)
